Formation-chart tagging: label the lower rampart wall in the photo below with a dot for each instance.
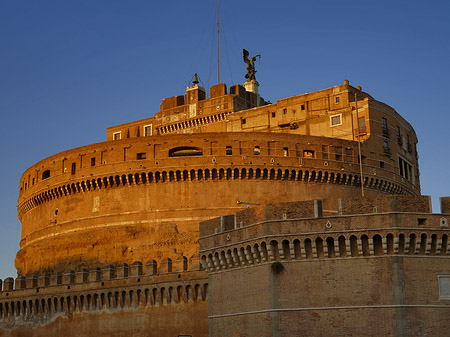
(106, 302)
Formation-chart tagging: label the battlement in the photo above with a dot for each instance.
(41, 297)
(393, 225)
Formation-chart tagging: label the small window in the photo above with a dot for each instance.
(117, 135)
(362, 124)
(243, 121)
(284, 111)
(285, 151)
(338, 153)
(273, 114)
(229, 151)
(33, 181)
(381, 164)
(336, 120)
(256, 151)
(308, 153)
(141, 156)
(148, 130)
(337, 99)
(93, 161)
(384, 127)
(45, 174)
(444, 286)
(74, 168)
(302, 107)
(325, 152)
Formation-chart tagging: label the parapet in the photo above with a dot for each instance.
(98, 274)
(315, 209)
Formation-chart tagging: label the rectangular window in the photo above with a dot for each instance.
(273, 114)
(386, 148)
(384, 127)
(243, 121)
(336, 120)
(444, 287)
(256, 151)
(348, 155)
(302, 107)
(284, 111)
(148, 130)
(141, 156)
(308, 153)
(117, 135)
(229, 151)
(337, 99)
(74, 167)
(285, 151)
(338, 153)
(325, 152)
(362, 124)
(405, 169)
(93, 161)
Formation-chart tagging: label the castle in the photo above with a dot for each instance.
(227, 215)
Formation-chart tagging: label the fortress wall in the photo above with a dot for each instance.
(163, 221)
(108, 302)
(154, 204)
(118, 157)
(339, 279)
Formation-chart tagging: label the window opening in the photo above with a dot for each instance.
(74, 167)
(117, 135)
(308, 153)
(285, 151)
(229, 151)
(148, 130)
(141, 156)
(256, 151)
(93, 161)
(337, 99)
(384, 127)
(325, 152)
(335, 120)
(45, 174)
(185, 151)
(338, 153)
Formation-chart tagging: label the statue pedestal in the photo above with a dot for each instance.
(252, 86)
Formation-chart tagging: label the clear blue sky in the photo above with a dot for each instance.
(69, 69)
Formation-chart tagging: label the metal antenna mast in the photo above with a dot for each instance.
(218, 68)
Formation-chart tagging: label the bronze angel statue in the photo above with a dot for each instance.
(250, 65)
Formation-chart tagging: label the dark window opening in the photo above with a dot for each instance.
(256, 151)
(45, 174)
(284, 111)
(243, 121)
(141, 156)
(325, 152)
(338, 99)
(273, 114)
(185, 151)
(73, 169)
(381, 164)
(285, 151)
(338, 153)
(302, 107)
(384, 127)
(93, 161)
(422, 221)
(229, 151)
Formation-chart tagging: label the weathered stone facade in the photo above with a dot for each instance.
(148, 193)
